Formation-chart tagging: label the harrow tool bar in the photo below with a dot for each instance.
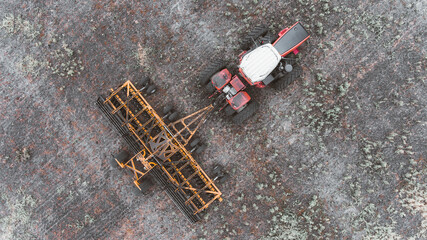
(159, 149)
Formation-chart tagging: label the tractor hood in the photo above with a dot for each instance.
(259, 63)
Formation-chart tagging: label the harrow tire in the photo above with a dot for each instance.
(246, 113)
(146, 185)
(255, 34)
(201, 148)
(113, 163)
(123, 156)
(144, 81)
(151, 89)
(213, 68)
(194, 142)
(224, 178)
(167, 109)
(173, 117)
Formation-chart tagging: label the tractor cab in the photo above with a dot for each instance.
(259, 63)
(258, 66)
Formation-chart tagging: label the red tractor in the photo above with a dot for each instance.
(266, 59)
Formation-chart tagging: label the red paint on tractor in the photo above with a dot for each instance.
(239, 100)
(237, 83)
(220, 79)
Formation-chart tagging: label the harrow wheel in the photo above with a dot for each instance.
(144, 184)
(123, 156)
(201, 149)
(167, 109)
(173, 117)
(113, 163)
(194, 142)
(151, 89)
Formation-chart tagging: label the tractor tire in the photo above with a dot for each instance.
(173, 117)
(229, 111)
(167, 109)
(268, 38)
(246, 113)
(194, 142)
(283, 82)
(210, 88)
(151, 89)
(256, 33)
(213, 68)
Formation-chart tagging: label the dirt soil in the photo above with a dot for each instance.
(340, 154)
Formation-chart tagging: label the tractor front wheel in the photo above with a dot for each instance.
(210, 88)
(288, 79)
(255, 34)
(246, 113)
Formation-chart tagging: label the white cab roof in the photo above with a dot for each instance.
(259, 63)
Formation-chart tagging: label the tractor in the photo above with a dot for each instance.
(266, 59)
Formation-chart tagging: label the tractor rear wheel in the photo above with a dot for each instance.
(288, 79)
(246, 113)
(256, 33)
(210, 88)
(229, 111)
(213, 68)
